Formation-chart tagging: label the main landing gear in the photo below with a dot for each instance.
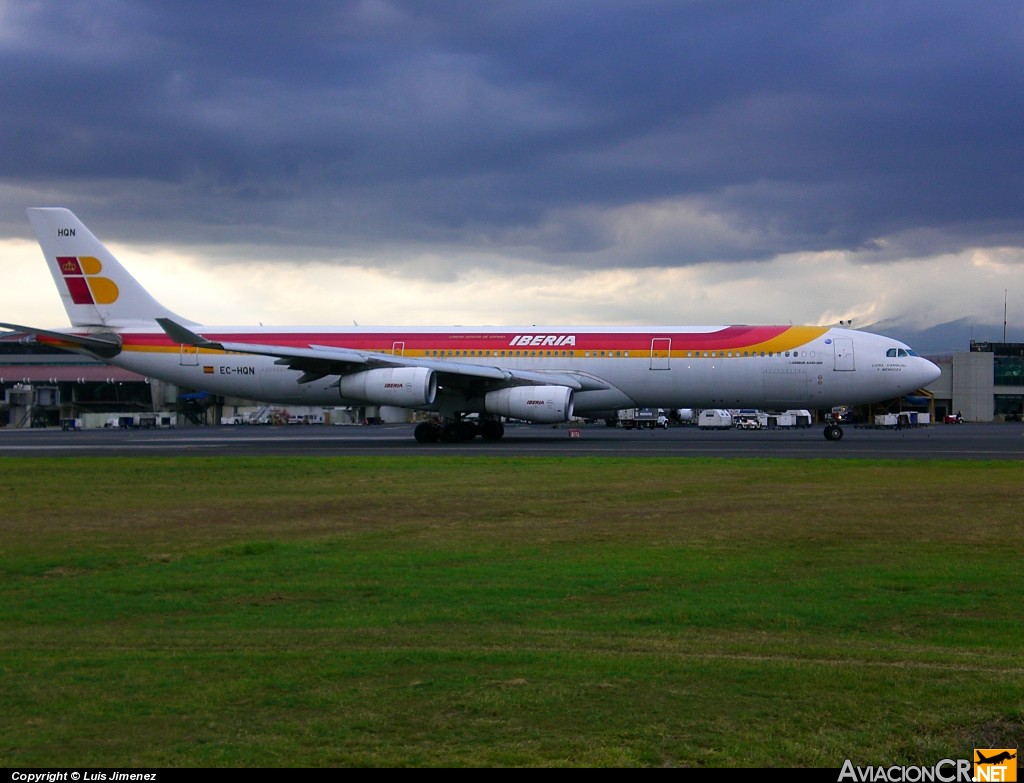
(458, 430)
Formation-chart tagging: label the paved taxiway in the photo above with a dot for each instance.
(966, 441)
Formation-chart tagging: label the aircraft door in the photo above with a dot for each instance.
(844, 353)
(661, 350)
(398, 349)
(188, 356)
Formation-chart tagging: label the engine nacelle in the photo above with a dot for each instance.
(405, 387)
(548, 404)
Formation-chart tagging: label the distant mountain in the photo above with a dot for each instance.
(947, 338)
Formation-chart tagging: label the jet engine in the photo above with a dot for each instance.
(404, 387)
(548, 404)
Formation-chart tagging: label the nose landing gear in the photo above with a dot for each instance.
(833, 431)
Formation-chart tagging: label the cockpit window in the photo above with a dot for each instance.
(894, 352)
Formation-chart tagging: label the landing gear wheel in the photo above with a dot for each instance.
(492, 430)
(426, 432)
(833, 432)
(458, 432)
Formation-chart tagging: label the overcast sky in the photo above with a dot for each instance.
(525, 162)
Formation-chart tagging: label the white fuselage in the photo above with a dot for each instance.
(716, 366)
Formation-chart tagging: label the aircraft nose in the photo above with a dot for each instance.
(927, 372)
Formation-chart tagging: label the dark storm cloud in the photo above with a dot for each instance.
(788, 126)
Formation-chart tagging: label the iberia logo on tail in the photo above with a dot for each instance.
(83, 282)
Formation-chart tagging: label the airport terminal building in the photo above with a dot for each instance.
(43, 386)
(985, 383)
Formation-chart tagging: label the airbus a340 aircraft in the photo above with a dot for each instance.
(537, 374)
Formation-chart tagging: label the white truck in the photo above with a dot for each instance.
(641, 418)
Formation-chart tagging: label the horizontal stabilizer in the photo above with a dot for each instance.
(180, 334)
(104, 345)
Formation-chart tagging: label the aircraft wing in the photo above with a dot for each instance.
(319, 361)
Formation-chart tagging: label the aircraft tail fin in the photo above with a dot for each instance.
(95, 288)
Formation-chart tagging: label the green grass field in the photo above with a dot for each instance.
(478, 611)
